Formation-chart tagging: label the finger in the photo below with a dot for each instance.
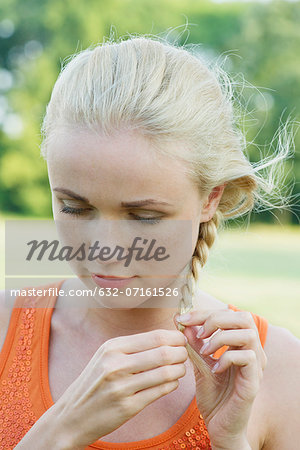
(150, 359)
(143, 398)
(154, 377)
(191, 333)
(246, 338)
(246, 361)
(227, 320)
(144, 341)
(195, 317)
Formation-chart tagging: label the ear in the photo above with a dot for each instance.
(210, 205)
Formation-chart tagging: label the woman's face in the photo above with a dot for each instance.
(110, 174)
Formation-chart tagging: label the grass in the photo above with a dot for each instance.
(256, 269)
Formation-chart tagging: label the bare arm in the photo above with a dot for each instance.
(49, 431)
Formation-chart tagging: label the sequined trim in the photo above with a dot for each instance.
(16, 415)
(196, 437)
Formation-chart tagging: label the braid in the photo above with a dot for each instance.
(206, 238)
(207, 235)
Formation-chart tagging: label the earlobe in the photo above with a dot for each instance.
(206, 215)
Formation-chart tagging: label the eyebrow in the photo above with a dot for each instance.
(133, 204)
(71, 194)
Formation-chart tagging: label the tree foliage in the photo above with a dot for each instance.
(257, 41)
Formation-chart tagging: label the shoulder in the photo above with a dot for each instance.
(280, 387)
(282, 349)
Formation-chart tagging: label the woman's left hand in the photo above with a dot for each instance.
(225, 397)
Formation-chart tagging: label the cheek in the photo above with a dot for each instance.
(71, 232)
(176, 239)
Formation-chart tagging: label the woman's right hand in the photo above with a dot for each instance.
(124, 375)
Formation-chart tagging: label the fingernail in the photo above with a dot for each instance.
(215, 367)
(183, 318)
(204, 346)
(186, 339)
(200, 332)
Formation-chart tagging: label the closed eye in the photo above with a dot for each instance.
(82, 211)
(150, 220)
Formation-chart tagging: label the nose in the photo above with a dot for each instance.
(111, 239)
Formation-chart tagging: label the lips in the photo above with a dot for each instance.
(112, 277)
(111, 281)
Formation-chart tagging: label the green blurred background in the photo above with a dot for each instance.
(255, 267)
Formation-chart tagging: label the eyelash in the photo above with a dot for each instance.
(80, 211)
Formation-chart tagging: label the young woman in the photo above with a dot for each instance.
(140, 141)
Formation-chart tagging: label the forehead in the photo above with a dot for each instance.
(124, 160)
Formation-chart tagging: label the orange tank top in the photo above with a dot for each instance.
(24, 384)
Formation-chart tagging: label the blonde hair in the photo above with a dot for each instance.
(168, 93)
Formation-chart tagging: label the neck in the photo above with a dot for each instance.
(155, 313)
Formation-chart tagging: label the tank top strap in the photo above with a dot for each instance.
(260, 322)
(23, 301)
(29, 302)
